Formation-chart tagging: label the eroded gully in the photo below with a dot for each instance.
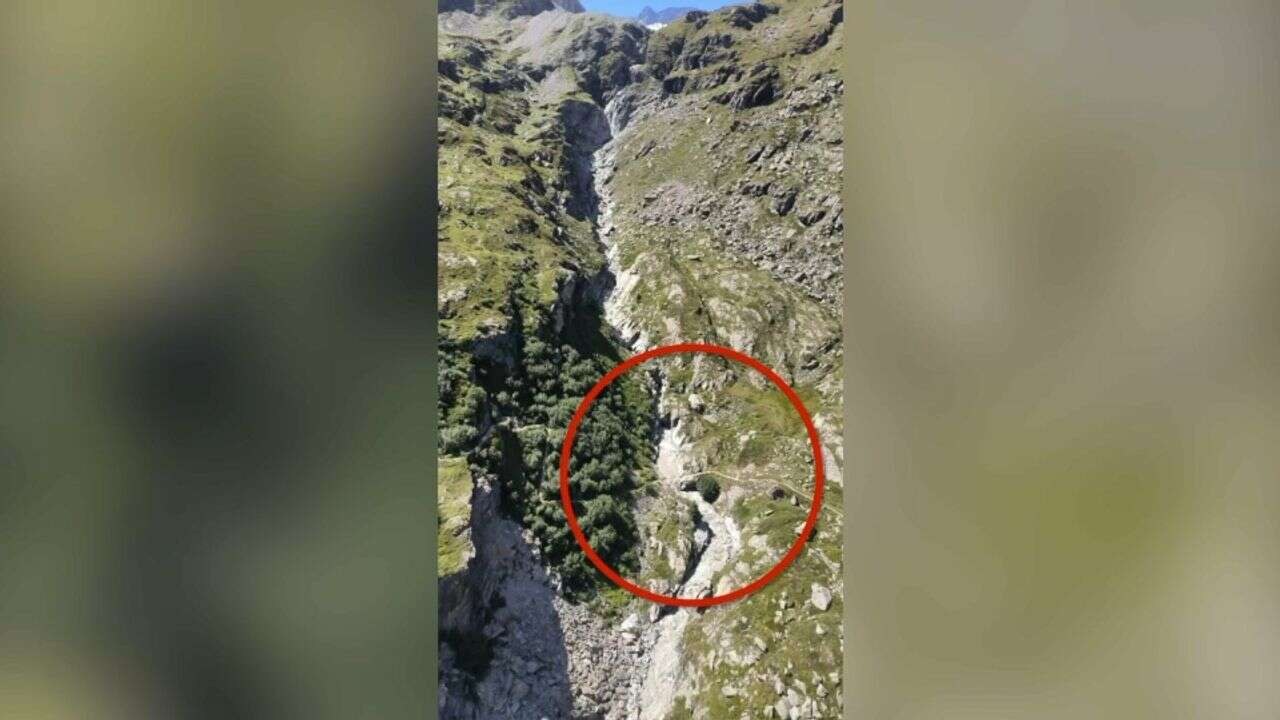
(657, 681)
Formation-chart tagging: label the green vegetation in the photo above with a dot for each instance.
(530, 405)
(504, 162)
(774, 434)
(793, 640)
(695, 211)
(612, 602)
(453, 504)
(680, 710)
(744, 110)
(670, 519)
(611, 444)
(708, 488)
(515, 358)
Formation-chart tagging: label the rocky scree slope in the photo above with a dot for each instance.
(687, 180)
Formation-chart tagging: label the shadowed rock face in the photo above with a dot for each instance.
(586, 126)
(760, 88)
(501, 631)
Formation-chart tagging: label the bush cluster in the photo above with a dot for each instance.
(530, 409)
(708, 488)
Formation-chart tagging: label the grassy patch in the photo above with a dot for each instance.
(453, 505)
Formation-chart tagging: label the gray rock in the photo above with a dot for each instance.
(820, 596)
(784, 201)
(811, 216)
(794, 699)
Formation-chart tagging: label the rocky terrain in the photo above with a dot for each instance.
(603, 189)
(649, 16)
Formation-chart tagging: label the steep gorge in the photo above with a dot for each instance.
(716, 540)
(562, 251)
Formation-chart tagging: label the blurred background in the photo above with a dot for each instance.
(1063, 349)
(216, 359)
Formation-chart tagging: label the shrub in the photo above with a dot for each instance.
(708, 488)
(457, 438)
(530, 408)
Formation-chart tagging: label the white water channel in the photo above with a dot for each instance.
(661, 680)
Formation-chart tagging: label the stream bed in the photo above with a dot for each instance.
(657, 674)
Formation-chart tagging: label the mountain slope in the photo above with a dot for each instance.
(649, 16)
(605, 189)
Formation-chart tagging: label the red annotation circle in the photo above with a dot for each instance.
(567, 500)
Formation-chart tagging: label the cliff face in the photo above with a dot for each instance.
(604, 188)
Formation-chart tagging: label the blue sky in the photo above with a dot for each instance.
(631, 8)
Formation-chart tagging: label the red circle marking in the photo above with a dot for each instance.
(567, 500)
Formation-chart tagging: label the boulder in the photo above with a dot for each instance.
(820, 596)
(655, 612)
(794, 699)
(784, 201)
(762, 87)
(810, 216)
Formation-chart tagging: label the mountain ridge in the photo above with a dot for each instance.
(510, 8)
(648, 15)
